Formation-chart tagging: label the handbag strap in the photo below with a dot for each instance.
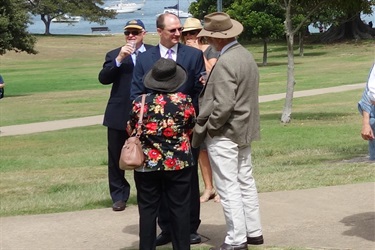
(139, 129)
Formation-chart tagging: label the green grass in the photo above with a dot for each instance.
(66, 170)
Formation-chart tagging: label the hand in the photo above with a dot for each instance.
(367, 133)
(192, 43)
(125, 51)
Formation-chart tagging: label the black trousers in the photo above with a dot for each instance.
(174, 187)
(119, 187)
(195, 205)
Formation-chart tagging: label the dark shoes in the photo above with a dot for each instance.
(255, 240)
(226, 246)
(250, 240)
(195, 238)
(119, 206)
(165, 238)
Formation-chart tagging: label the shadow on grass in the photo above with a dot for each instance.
(108, 203)
(273, 64)
(320, 53)
(305, 116)
(296, 54)
(20, 95)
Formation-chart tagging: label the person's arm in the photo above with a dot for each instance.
(111, 66)
(2, 83)
(366, 133)
(199, 68)
(110, 70)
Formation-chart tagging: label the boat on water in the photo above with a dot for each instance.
(125, 6)
(66, 19)
(175, 10)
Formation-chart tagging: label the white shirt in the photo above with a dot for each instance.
(371, 84)
(164, 51)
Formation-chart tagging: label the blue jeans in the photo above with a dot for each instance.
(371, 144)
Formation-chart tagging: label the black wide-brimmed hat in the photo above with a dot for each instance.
(165, 76)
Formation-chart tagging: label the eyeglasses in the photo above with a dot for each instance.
(134, 32)
(172, 31)
(191, 32)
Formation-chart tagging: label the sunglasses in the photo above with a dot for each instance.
(134, 32)
(172, 31)
(191, 32)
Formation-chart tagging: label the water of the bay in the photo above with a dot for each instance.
(147, 15)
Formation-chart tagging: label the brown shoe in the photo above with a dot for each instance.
(255, 240)
(226, 246)
(119, 206)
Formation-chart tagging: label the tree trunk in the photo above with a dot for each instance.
(47, 23)
(353, 28)
(265, 42)
(287, 111)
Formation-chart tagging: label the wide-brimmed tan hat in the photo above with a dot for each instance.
(165, 76)
(220, 25)
(192, 23)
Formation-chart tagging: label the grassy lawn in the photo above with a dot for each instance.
(66, 170)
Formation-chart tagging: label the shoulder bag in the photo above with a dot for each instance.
(132, 155)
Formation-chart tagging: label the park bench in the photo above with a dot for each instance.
(100, 29)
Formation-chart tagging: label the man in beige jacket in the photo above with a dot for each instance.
(228, 122)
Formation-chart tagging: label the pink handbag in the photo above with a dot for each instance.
(132, 155)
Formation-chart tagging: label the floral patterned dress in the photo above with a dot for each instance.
(168, 120)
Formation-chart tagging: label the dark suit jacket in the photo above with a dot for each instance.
(189, 58)
(119, 104)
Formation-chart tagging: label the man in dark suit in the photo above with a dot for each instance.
(191, 59)
(118, 70)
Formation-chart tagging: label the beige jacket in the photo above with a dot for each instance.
(228, 104)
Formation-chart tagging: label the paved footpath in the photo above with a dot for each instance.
(94, 120)
(338, 217)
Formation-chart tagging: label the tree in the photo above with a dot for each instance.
(260, 18)
(89, 9)
(13, 28)
(291, 8)
(346, 21)
(311, 7)
(200, 8)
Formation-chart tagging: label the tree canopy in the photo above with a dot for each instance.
(88, 9)
(260, 18)
(13, 27)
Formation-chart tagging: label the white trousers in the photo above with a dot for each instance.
(232, 172)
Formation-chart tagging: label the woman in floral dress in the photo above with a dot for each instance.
(168, 121)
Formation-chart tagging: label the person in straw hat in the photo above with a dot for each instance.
(191, 28)
(228, 122)
(168, 121)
